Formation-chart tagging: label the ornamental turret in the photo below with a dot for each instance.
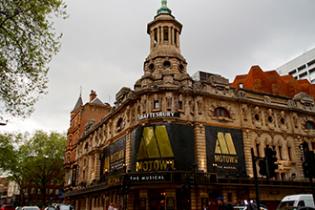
(164, 66)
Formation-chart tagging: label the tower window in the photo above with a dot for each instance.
(181, 67)
(165, 33)
(167, 64)
(151, 66)
(175, 37)
(155, 36)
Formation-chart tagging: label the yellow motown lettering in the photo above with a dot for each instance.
(225, 159)
(154, 165)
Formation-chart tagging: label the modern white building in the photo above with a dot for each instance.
(301, 67)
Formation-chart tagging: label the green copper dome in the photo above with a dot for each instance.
(164, 9)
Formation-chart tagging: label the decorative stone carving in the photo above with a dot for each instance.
(122, 95)
(267, 99)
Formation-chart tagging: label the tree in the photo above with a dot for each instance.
(36, 161)
(27, 44)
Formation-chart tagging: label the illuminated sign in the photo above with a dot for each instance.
(225, 155)
(155, 152)
(162, 147)
(144, 177)
(158, 115)
(225, 150)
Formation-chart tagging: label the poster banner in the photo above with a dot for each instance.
(225, 156)
(117, 154)
(113, 157)
(162, 147)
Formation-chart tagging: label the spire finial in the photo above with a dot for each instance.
(164, 3)
(164, 9)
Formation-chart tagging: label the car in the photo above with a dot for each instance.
(296, 202)
(251, 206)
(30, 208)
(7, 207)
(50, 208)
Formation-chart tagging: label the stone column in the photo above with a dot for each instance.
(87, 203)
(194, 199)
(200, 147)
(97, 166)
(128, 158)
(172, 36)
(247, 140)
(77, 205)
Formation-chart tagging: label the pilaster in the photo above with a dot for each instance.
(200, 147)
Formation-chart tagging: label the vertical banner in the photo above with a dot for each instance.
(113, 157)
(117, 154)
(225, 154)
(162, 147)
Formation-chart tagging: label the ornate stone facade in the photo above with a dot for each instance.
(169, 107)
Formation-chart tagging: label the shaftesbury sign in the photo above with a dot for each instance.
(158, 115)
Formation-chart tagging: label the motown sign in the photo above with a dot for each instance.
(162, 147)
(225, 151)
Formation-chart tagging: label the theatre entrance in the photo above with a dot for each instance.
(157, 200)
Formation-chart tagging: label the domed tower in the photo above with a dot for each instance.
(164, 66)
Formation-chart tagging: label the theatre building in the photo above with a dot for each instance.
(176, 141)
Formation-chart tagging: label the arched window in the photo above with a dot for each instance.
(86, 147)
(310, 125)
(221, 112)
(120, 124)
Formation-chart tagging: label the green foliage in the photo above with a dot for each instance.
(33, 161)
(27, 44)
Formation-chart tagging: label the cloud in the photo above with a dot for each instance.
(105, 43)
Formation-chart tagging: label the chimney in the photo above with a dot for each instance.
(92, 95)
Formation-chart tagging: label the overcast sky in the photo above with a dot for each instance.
(105, 43)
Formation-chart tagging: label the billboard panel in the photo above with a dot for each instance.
(162, 147)
(224, 147)
(113, 157)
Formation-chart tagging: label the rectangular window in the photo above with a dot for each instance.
(180, 104)
(155, 36)
(312, 70)
(175, 37)
(165, 33)
(311, 62)
(302, 67)
(156, 104)
(303, 74)
(169, 103)
(292, 72)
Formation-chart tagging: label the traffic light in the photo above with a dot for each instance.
(271, 158)
(262, 167)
